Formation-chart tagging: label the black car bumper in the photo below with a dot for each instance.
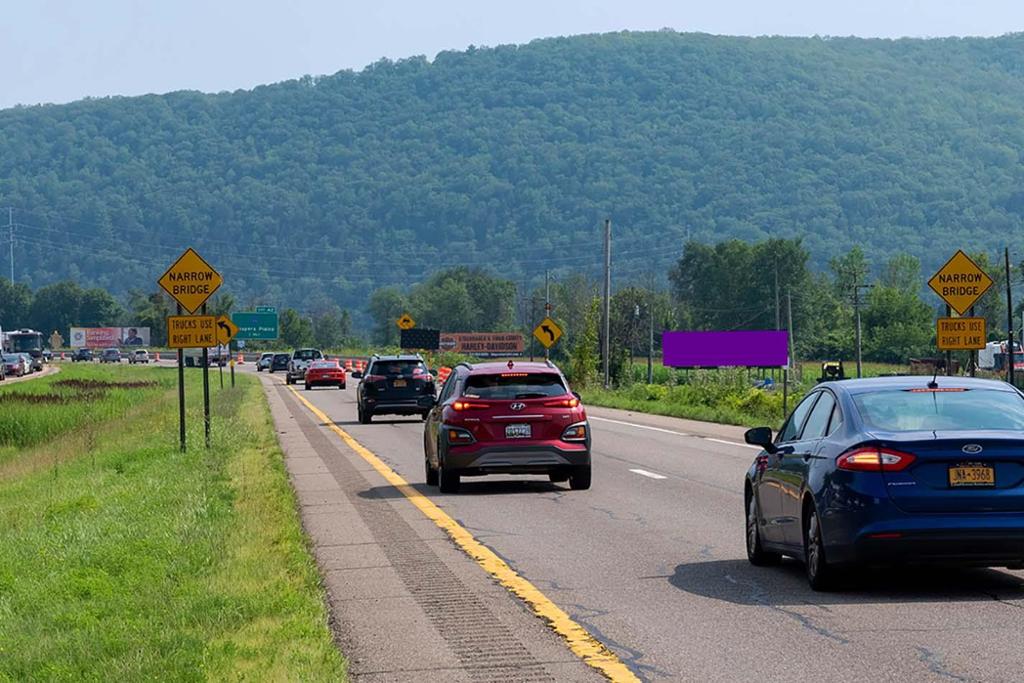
(510, 459)
(408, 406)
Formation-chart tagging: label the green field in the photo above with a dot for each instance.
(123, 559)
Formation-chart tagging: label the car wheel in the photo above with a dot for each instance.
(820, 574)
(307, 386)
(757, 555)
(431, 473)
(364, 416)
(342, 387)
(579, 480)
(447, 481)
(424, 415)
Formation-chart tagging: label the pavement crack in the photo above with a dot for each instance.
(631, 657)
(633, 516)
(933, 660)
(759, 597)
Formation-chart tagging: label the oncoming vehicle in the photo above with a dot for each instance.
(325, 373)
(111, 356)
(395, 385)
(895, 470)
(15, 365)
(138, 356)
(264, 362)
(300, 360)
(280, 362)
(514, 418)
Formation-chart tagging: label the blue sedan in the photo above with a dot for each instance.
(895, 470)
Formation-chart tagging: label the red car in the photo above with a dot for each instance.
(325, 373)
(507, 418)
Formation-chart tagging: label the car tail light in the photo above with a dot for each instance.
(468, 405)
(563, 403)
(457, 436)
(874, 459)
(374, 378)
(576, 432)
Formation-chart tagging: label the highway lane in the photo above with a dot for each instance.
(651, 560)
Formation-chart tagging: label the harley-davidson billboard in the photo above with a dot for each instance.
(483, 343)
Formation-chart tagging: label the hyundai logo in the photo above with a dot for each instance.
(972, 448)
(517, 406)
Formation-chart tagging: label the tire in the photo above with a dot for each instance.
(447, 480)
(364, 416)
(288, 379)
(821, 575)
(579, 480)
(757, 555)
(307, 386)
(431, 473)
(342, 387)
(425, 415)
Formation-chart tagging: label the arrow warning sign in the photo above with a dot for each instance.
(226, 330)
(547, 333)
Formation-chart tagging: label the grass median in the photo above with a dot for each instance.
(123, 558)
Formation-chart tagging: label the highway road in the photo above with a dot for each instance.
(651, 561)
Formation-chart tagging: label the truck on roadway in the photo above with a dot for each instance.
(218, 356)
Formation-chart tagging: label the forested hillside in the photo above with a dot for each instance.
(323, 189)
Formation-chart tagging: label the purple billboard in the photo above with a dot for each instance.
(743, 348)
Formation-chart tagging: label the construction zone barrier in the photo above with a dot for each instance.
(62, 355)
(442, 374)
(348, 365)
(241, 359)
(157, 356)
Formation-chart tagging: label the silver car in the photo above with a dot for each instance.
(299, 363)
(264, 362)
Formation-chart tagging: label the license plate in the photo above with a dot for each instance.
(972, 475)
(398, 383)
(518, 432)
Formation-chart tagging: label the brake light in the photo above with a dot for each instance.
(873, 459)
(467, 405)
(374, 378)
(563, 403)
(576, 432)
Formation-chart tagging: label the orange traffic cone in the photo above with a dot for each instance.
(348, 365)
(157, 356)
(62, 355)
(241, 359)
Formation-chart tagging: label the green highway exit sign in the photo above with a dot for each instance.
(256, 325)
(266, 309)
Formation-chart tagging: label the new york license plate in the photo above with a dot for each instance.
(398, 383)
(518, 432)
(972, 475)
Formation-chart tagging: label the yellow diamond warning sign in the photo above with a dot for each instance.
(405, 322)
(960, 282)
(191, 281)
(548, 332)
(191, 331)
(960, 334)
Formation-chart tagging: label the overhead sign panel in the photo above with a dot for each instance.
(742, 348)
(961, 282)
(256, 325)
(960, 334)
(191, 281)
(191, 331)
(547, 333)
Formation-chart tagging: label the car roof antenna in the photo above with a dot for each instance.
(934, 384)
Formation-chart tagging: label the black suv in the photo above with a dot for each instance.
(80, 355)
(395, 385)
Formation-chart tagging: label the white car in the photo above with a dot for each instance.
(138, 356)
(299, 363)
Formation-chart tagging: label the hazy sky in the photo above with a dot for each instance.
(62, 50)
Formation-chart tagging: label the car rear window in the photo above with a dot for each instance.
(515, 385)
(942, 410)
(307, 354)
(399, 368)
(324, 364)
(282, 356)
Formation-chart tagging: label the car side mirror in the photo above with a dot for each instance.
(761, 436)
(356, 374)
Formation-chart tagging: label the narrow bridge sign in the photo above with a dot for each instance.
(960, 282)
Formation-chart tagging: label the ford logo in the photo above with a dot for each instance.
(972, 448)
(517, 406)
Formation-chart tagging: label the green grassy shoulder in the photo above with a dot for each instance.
(122, 558)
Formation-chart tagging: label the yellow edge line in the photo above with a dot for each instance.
(580, 642)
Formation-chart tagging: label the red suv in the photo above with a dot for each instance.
(507, 418)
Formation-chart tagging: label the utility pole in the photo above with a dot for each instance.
(1009, 318)
(650, 341)
(789, 328)
(778, 313)
(10, 228)
(547, 305)
(856, 309)
(607, 301)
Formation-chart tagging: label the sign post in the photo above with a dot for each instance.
(191, 281)
(960, 283)
(226, 331)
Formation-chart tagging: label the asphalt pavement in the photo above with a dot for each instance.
(651, 562)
